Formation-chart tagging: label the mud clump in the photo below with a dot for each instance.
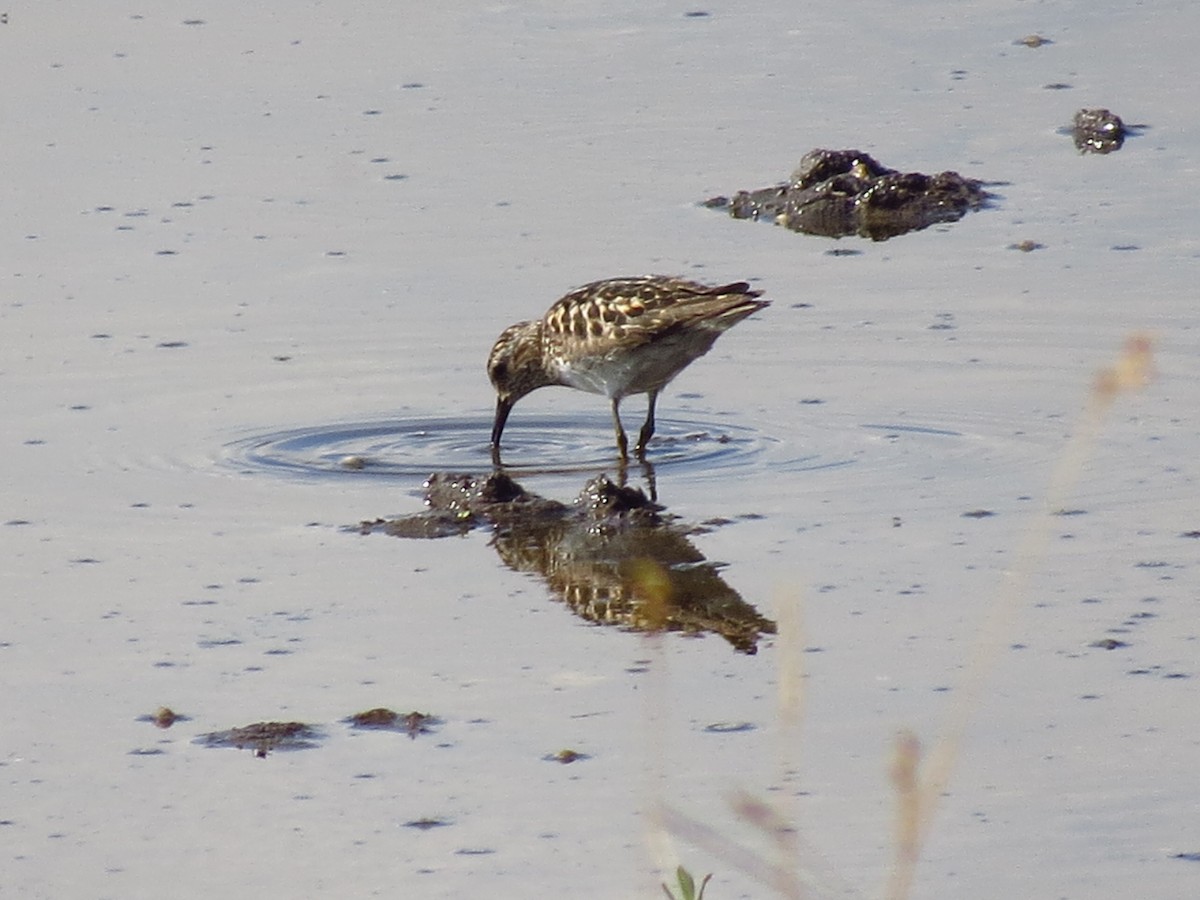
(163, 717)
(838, 193)
(457, 504)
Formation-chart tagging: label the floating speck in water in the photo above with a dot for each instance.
(426, 823)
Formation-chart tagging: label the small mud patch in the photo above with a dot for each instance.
(263, 737)
(384, 719)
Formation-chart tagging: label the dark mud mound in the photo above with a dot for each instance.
(838, 193)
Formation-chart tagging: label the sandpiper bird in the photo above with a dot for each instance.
(616, 337)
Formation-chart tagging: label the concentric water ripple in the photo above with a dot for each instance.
(415, 447)
(948, 453)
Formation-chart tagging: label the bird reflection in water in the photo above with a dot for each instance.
(614, 556)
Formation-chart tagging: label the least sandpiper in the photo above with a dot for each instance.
(616, 337)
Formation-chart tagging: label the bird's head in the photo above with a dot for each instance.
(515, 367)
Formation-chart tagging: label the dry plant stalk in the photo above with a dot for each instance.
(906, 761)
(919, 789)
(652, 587)
(780, 879)
(790, 644)
(797, 872)
(782, 876)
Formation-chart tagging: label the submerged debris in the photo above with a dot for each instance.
(836, 193)
(613, 555)
(1098, 131)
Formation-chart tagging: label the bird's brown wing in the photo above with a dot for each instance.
(625, 313)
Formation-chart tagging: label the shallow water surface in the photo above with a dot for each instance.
(254, 264)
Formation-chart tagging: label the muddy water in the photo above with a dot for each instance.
(244, 247)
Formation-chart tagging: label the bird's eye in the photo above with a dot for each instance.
(499, 371)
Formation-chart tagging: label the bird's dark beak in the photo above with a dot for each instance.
(503, 408)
